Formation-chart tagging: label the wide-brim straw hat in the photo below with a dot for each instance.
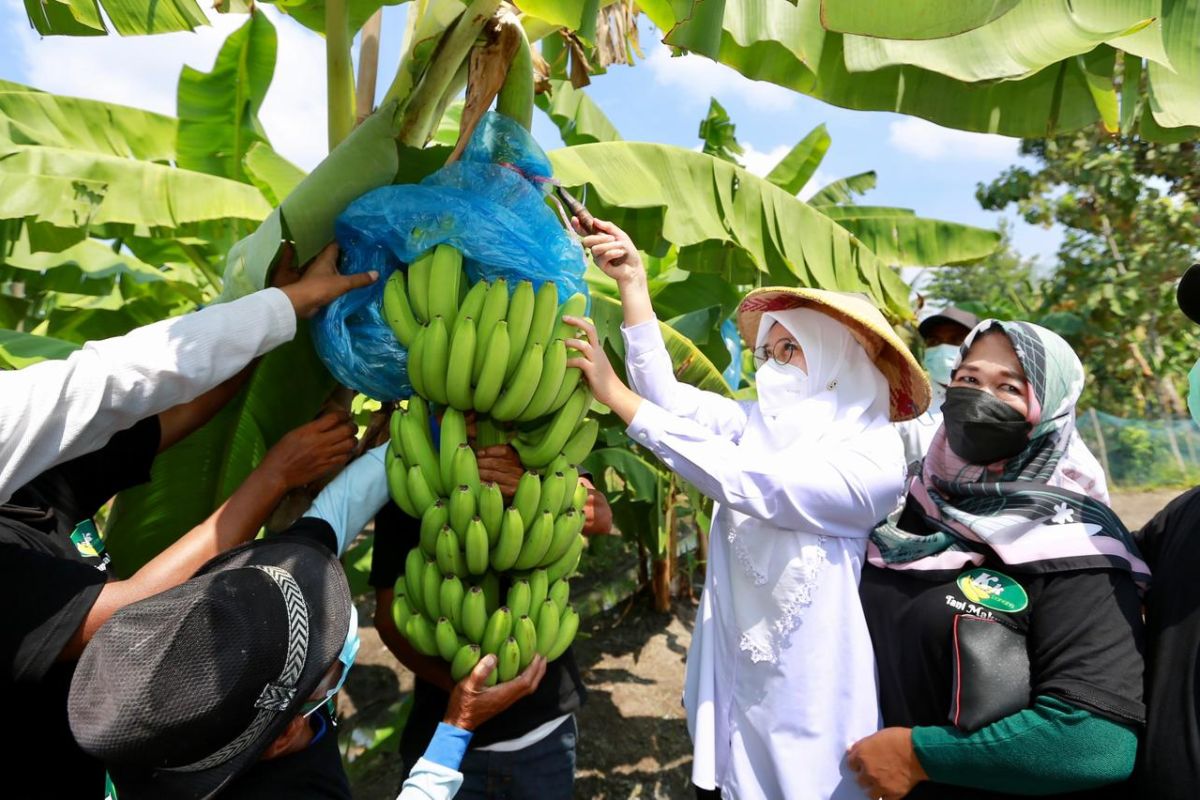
(909, 386)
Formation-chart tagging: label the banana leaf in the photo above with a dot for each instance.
(843, 190)
(18, 350)
(900, 237)
(724, 220)
(925, 20)
(1175, 90)
(311, 13)
(578, 119)
(795, 169)
(128, 17)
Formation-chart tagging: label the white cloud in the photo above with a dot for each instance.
(700, 78)
(143, 71)
(929, 142)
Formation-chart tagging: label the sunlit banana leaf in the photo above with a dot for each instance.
(19, 350)
(795, 169)
(311, 13)
(195, 476)
(926, 20)
(638, 476)
(843, 190)
(900, 237)
(724, 220)
(273, 174)
(128, 17)
(578, 119)
(1175, 94)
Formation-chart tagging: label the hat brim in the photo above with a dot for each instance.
(323, 583)
(908, 385)
(1188, 293)
(926, 326)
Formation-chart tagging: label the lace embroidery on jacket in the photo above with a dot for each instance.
(766, 645)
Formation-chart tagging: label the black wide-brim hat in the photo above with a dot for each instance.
(1188, 293)
(183, 691)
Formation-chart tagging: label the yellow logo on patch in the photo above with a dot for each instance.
(994, 590)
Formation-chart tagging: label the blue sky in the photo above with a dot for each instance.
(920, 166)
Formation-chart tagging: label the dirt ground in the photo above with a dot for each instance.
(633, 740)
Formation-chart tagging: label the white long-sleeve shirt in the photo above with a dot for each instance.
(781, 673)
(58, 410)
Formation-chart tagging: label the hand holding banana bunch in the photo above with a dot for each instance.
(477, 350)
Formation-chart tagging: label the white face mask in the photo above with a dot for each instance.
(780, 386)
(939, 362)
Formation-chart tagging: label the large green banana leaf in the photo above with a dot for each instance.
(199, 473)
(311, 13)
(578, 119)
(1175, 91)
(899, 237)
(932, 19)
(18, 350)
(128, 17)
(794, 169)
(843, 190)
(724, 220)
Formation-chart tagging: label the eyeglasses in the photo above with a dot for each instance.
(782, 353)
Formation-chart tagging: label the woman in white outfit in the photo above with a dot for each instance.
(780, 675)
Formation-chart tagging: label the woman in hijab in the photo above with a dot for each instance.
(780, 676)
(1003, 602)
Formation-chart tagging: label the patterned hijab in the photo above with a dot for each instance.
(1032, 510)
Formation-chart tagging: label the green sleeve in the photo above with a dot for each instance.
(1052, 748)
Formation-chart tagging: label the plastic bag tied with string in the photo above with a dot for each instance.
(491, 205)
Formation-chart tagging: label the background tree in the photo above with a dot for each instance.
(1003, 284)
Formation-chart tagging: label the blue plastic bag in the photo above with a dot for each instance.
(490, 205)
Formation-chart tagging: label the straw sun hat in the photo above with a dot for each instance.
(909, 386)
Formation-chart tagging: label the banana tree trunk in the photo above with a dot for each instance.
(339, 71)
(368, 65)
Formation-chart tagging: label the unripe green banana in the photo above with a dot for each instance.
(401, 610)
(558, 433)
(495, 306)
(570, 382)
(419, 490)
(414, 574)
(519, 318)
(521, 386)
(418, 451)
(416, 358)
(537, 541)
(568, 626)
(565, 566)
(529, 492)
(417, 406)
(518, 598)
(432, 521)
(450, 600)
(434, 360)
(394, 430)
(510, 659)
(565, 531)
(397, 476)
(579, 498)
(397, 311)
(465, 468)
(431, 589)
(575, 306)
(474, 614)
(554, 486)
(453, 433)
(491, 591)
(582, 441)
(464, 661)
(472, 304)
(445, 276)
(547, 627)
(491, 510)
(462, 509)
(545, 313)
(508, 546)
(499, 626)
(446, 638)
(420, 634)
(539, 585)
(571, 481)
(554, 367)
(458, 370)
(560, 593)
(418, 285)
(525, 632)
(476, 546)
(491, 373)
(449, 555)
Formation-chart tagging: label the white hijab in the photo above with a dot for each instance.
(842, 396)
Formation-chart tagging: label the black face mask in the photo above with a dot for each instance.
(982, 429)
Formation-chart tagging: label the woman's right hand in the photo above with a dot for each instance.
(612, 250)
(310, 451)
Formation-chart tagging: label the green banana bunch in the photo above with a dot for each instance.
(558, 433)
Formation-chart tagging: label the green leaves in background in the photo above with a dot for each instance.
(128, 17)
(578, 119)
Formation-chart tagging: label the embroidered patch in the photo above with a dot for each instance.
(87, 540)
(993, 590)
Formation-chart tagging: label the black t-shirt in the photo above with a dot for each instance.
(52, 568)
(560, 692)
(1082, 630)
(1169, 758)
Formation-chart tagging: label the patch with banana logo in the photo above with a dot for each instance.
(992, 589)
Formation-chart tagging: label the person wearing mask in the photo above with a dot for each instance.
(943, 334)
(220, 686)
(528, 751)
(780, 676)
(1003, 602)
(1169, 759)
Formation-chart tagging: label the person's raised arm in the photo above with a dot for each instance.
(57, 410)
(297, 459)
